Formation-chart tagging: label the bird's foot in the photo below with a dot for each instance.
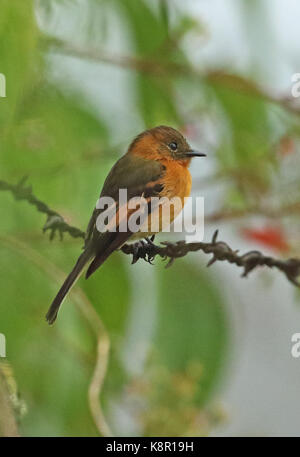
(139, 251)
(142, 249)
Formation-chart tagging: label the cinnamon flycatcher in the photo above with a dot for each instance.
(155, 165)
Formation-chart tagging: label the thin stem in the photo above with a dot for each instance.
(93, 319)
(8, 423)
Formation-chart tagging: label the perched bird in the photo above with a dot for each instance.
(155, 165)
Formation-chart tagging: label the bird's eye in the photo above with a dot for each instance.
(173, 146)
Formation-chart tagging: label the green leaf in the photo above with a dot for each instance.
(155, 93)
(108, 290)
(192, 324)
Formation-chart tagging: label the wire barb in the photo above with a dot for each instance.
(220, 251)
(147, 250)
(55, 222)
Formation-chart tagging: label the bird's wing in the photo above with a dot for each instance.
(140, 177)
(135, 174)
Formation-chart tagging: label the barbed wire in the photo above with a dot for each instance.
(220, 250)
(147, 250)
(55, 222)
(159, 68)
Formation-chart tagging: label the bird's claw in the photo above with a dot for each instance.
(143, 250)
(137, 248)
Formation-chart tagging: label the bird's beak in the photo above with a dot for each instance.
(193, 153)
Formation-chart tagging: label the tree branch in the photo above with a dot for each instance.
(162, 67)
(148, 250)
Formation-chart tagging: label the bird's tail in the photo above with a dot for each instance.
(69, 282)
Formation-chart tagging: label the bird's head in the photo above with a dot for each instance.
(163, 143)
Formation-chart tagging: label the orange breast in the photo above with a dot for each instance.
(177, 180)
(177, 183)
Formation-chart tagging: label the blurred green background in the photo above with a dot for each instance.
(82, 78)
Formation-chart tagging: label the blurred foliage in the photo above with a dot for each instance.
(191, 342)
(51, 130)
(200, 331)
(171, 406)
(149, 33)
